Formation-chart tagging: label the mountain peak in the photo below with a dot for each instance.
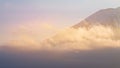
(109, 16)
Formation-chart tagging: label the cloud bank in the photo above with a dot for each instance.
(83, 38)
(95, 37)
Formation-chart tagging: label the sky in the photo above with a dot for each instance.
(43, 18)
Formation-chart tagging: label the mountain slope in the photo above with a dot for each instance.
(110, 16)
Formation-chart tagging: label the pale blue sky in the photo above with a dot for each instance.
(61, 13)
(13, 11)
(71, 10)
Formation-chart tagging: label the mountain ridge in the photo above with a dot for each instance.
(109, 16)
